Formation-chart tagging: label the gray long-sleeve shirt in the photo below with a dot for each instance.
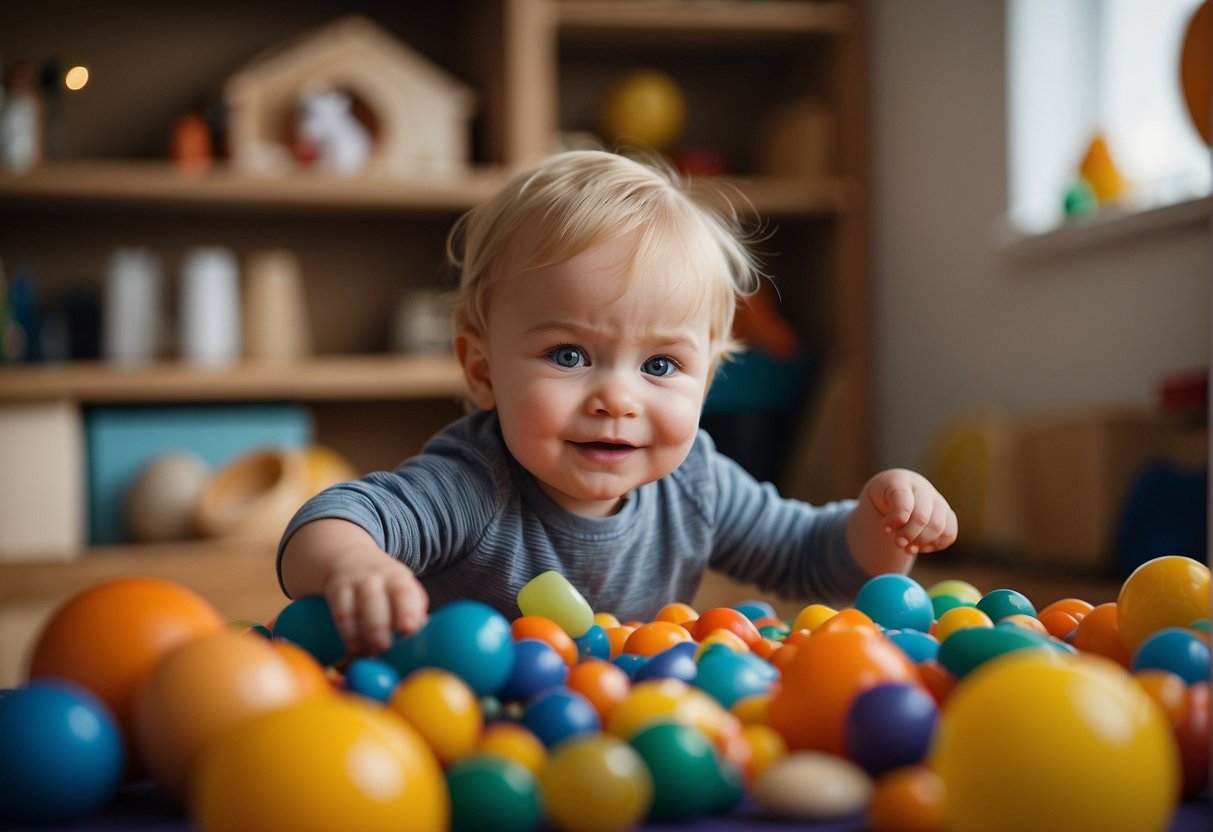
(472, 523)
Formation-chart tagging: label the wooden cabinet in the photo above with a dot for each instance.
(539, 68)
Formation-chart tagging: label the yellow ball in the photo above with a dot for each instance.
(644, 107)
(326, 763)
(1168, 591)
(514, 742)
(962, 591)
(960, 618)
(596, 783)
(443, 709)
(812, 617)
(1039, 739)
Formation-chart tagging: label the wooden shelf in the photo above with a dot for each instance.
(328, 378)
(672, 20)
(133, 182)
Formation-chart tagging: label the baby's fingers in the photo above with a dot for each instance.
(409, 603)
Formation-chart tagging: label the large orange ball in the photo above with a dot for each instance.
(201, 688)
(110, 636)
(828, 671)
(329, 762)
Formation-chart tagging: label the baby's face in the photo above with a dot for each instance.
(598, 392)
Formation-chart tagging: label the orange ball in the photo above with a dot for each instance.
(730, 620)
(676, 613)
(605, 685)
(618, 637)
(199, 689)
(1074, 606)
(312, 675)
(110, 636)
(1059, 623)
(848, 619)
(809, 707)
(512, 741)
(907, 799)
(1168, 690)
(937, 679)
(656, 636)
(1099, 632)
(545, 629)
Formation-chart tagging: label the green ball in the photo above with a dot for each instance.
(490, 792)
(686, 772)
(942, 603)
(1000, 603)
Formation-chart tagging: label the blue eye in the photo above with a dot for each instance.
(659, 366)
(567, 355)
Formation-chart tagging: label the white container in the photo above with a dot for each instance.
(133, 316)
(209, 306)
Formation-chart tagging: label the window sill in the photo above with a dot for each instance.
(1099, 231)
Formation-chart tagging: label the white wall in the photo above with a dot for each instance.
(958, 322)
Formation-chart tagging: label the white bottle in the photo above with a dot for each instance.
(133, 313)
(209, 306)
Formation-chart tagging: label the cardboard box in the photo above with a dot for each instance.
(121, 440)
(1075, 471)
(41, 482)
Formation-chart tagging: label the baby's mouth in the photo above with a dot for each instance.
(604, 452)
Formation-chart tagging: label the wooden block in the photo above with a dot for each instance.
(41, 481)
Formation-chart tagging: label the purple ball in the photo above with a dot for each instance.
(890, 726)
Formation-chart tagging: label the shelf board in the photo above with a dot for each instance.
(703, 20)
(160, 183)
(131, 182)
(327, 378)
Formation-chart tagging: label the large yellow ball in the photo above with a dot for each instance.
(323, 764)
(644, 108)
(1042, 740)
(1168, 591)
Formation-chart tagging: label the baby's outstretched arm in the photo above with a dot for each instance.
(899, 515)
(372, 595)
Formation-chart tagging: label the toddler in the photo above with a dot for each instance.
(595, 302)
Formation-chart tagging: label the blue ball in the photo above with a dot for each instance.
(729, 676)
(890, 726)
(919, 646)
(677, 662)
(309, 623)
(560, 713)
(630, 663)
(372, 678)
(896, 602)
(755, 610)
(594, 644)
(61, 758)
(537, 667)
(1177, 650)
(467, 638)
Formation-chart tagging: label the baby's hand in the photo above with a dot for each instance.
(372, 598)
(912, 511)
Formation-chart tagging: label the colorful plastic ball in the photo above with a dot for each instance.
(1077, 608)
(1166, 689)
(937, 679)
(1169, 591)
(551, 596)
(1021, 746)
(62, 757)
(604, 684)
(963, 591)
(669, 700)
(916, 644)
(812, 617)
(1059, 623)
(513, 742)
(847, 620)
(655, 636)
(618, 637)
(596, 783)
(685, 768)
(1099, 633)
(676, 612)
(1176, 650)
(545, 629)
(728, 619)
(966, 650)
(755, 610)
(335, 762)
(493, 793)
(644, 106)
(890, 726)
(593, 644)
(1000, 603)
(941, 604)
(907, 800)
(960, 618)
(629, 663)
(896, 602)
(199, 690)
(471, 640)
(372, 678)
(728, 676)
(309, 623)
(313, 679)
(1192, 736)
(109, 637)
(560, 713)
(537, 667)
(722, 638)
(766, 746)
(677, 662)
(443, 710)
(828, 671)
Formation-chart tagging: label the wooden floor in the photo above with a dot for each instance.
(240, 580)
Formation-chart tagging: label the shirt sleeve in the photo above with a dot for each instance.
(785, 546)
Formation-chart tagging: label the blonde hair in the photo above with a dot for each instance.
(576, 200)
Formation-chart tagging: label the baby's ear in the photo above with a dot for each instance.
(474, 358)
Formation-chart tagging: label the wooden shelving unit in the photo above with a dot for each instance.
(362, 239)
